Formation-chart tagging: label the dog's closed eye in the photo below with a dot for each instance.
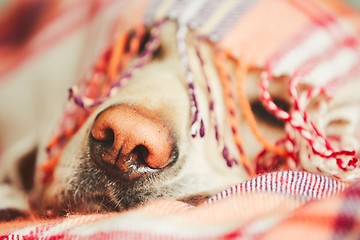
(262, 114)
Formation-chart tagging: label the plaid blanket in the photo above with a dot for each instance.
(293, 203)
(270, 206)
(317, 49)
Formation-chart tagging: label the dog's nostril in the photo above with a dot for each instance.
(106, 137)
(131, 140)
(141, 153)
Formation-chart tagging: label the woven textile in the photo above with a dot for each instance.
(317, 49)
(266, 207)
(315, 44)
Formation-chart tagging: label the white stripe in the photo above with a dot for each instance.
(326, 188)
(301, 183)
(230, 18)
(190, 10)
(313, 45)
(290, 182)
(150, 13)
(321, 188)
(330, 192)
(278, 177)
(268, 183)
(306, 185)
(317, 187)
(223, 194)
(284, 185)
(204, 14)
(239, 188)
(253, 185)
(295, 183)
(263, 183)
(228, 192)
(178, 8)
(338, 65)
(309, 186)
(273, 182)
(316, 184)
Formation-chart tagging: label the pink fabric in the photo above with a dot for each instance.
(269, 206)
(68, 17)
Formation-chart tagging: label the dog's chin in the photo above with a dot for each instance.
(90, 189)
(95, 204)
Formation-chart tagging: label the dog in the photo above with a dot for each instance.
(156, 136)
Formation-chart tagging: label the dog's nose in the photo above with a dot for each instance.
(131, 139)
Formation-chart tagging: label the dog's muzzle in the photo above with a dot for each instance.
(130, 141)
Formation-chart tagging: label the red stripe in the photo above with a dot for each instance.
(96, 6)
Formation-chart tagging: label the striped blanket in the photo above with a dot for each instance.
(272, 206)
(317, 49)
(312, 48)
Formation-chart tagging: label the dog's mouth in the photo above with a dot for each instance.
(95, 189)
(93, 203)
(100, 203)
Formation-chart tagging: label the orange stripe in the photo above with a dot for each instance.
(220, 60)
(116, 57)
(135, 44)
(119, 58)
(241, 71)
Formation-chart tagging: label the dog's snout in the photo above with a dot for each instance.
(131, 139)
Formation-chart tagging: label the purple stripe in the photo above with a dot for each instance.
(178, 8)
(230, 161)
(230, 19)
(149, 16)
(126, 76)
(289, 183)
(202, 16)
(197, 124)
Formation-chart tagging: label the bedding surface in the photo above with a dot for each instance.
(323, 204)
(270, 206)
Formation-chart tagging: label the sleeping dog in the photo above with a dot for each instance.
(136, 146)
(139, 144)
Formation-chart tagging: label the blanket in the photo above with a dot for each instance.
(270, 206)
(297, 203)
(317, 50)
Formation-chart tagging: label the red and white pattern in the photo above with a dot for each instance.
(299, 184)
(260, 208)
(270, 206)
